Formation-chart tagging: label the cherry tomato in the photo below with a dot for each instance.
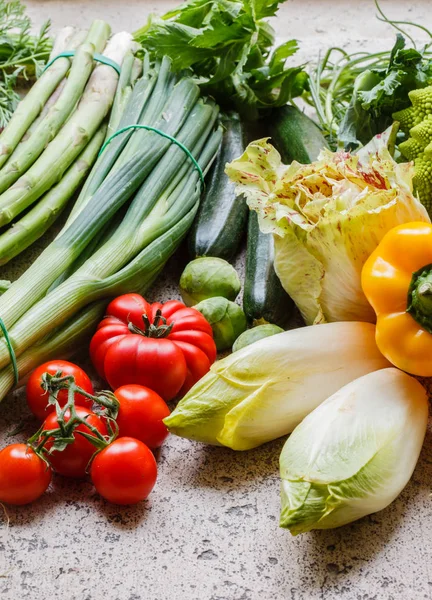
(124, 472)
(37, 399)
(74, 459)
(140, 415)
(165, 347)
(24, 476)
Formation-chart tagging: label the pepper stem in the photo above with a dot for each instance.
(419, 304)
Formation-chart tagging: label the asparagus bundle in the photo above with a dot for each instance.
(55, 134)
(157, 185)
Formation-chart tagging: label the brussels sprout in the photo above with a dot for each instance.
(208, 277)
(256, 333)
(226, 318)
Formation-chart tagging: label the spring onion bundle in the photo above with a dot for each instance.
(54, 136)
(152, 180)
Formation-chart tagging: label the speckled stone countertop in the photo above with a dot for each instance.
(210, 528)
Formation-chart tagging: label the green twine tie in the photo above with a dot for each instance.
(97, 57)
(11, 350)
(163, 134)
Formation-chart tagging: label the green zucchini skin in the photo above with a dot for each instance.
(221, 221)
(296, 137)
(264, 299)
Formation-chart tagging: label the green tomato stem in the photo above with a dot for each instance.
(63, 435)
(157, 329)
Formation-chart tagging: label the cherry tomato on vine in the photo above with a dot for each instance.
(165, 347)
(37, 399)
(140, 415)
(74, 459)
(124, 472)
(24, 476)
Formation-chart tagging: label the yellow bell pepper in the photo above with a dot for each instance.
(397, 281)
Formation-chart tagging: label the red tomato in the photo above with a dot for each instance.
(124, 472)
(140, 415)
(165, 347)
(37, 399)
(24, 477)
(74, 459)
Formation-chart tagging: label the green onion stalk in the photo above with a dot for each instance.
(162, 184)
(117, 188)
(132, 113)
(131, 70)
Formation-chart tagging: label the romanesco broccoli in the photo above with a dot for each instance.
(416, 121)
(410, 148)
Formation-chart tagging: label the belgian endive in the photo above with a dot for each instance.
(265, 390)
(353, 454)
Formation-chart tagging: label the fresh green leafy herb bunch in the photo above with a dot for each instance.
(22, 54)
(228, 44)
(355, 95)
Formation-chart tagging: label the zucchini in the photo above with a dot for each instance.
(222, 217)
(296, 137)
(264, 299)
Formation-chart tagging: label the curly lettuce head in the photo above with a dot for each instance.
(327, 217)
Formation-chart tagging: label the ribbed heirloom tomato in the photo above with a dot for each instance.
(165, 347)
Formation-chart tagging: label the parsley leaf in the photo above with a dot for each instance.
(229, 47)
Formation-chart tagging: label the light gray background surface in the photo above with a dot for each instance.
(210, 528)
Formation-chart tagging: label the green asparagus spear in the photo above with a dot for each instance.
(71, 139)
(82, 66)
(32, 104)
